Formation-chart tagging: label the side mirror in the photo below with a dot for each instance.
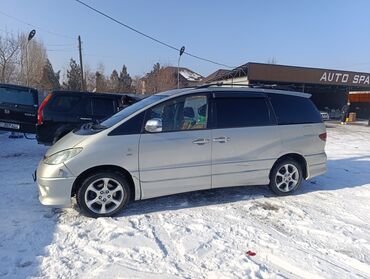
(153, 125)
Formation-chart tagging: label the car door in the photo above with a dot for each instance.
(246, 140)
(177, 159)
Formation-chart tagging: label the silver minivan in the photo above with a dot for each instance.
(185, 140)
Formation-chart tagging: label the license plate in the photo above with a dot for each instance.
(9, 125)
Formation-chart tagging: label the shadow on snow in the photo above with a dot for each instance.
(343, 173)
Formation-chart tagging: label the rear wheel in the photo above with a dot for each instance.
(286, 177)
(103, 195)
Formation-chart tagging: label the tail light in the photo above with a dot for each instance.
(323, 136)
(40, 116)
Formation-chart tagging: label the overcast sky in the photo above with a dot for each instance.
(330, 34)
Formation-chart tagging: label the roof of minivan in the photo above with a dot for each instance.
(247, 90)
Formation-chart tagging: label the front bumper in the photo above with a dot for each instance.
(55, 185)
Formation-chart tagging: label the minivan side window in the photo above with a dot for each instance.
(242, 112)
(294, 109)
(102, 107)
(63, 103)
(183, 113)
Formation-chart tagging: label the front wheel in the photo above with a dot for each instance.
(286, 177)
(103, 195)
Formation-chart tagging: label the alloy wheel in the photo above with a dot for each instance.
(287, 178)
(104, 195)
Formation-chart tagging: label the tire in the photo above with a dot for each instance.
(103, 195)
(285, 177)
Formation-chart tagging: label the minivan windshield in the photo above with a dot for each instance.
(130, 110)
(16, 96)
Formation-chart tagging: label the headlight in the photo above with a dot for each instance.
(62, 156)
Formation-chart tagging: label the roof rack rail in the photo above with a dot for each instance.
(223, 84)
(242, 85)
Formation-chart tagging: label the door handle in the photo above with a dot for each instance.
(201, 141)
(221, 139)
(85, 118)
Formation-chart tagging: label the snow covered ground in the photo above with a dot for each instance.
(323, 231)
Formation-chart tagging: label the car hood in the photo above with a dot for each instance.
(68, 141)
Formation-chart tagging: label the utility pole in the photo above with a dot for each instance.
(81, 65)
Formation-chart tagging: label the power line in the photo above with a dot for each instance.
(60, 45)
(35, 26)
(62, 50)
(47, 49)
(150, 37)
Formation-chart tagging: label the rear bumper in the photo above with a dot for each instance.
(316, 170)
(44, 135)
(316, 164)
(55, 185)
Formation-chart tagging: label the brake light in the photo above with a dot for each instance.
(40, 115)
(323, 136)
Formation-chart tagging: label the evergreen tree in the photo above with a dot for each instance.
(73, 81)
(125, 81)
(156, 68)
(153, 79)
(49, 79)
(114, 82)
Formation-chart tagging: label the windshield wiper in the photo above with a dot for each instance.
(98, 127)
(93, 126)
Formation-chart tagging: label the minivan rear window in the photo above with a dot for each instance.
(16, 96)
(291, 109)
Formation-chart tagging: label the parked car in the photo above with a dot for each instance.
(18, 108)
(63, 111)
(325, 116)
(185, 140)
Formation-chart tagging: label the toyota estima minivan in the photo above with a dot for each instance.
(185, 140)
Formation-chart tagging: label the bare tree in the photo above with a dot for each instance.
(9, 58)
(137, 84)
(271, 60)
(89, 78)
(160, 79)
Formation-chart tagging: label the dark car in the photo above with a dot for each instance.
(18, 108)
(63, 111)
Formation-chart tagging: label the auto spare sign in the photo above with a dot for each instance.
(345, 78)
(291, 74)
